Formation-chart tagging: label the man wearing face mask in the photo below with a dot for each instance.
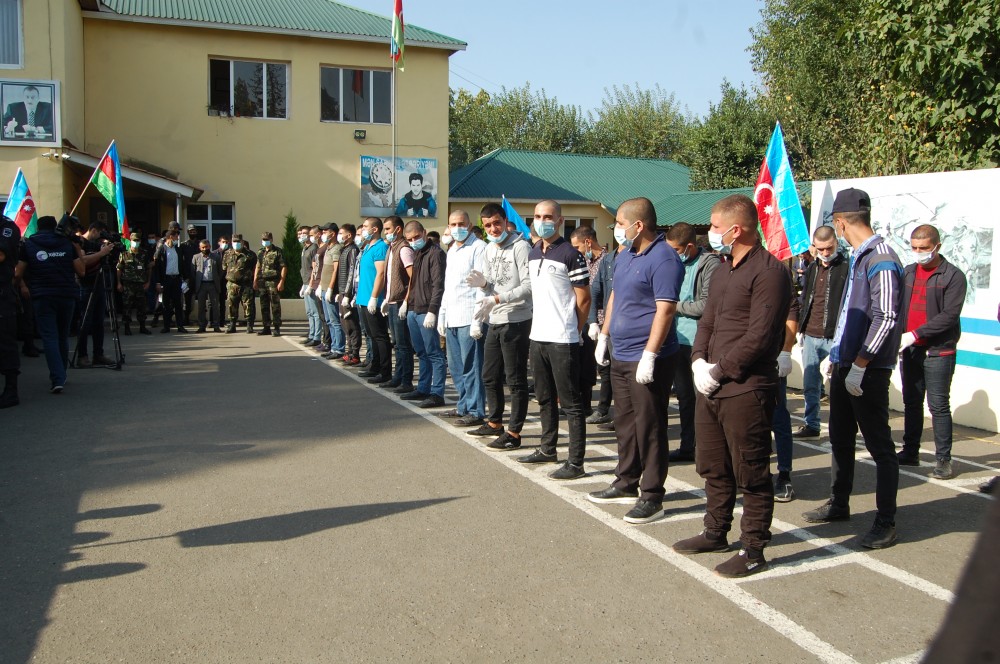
(640, 325)
(584, 240)
(189, 249)
(699, 265)
(269, 279)
(345, 291)
(423, 301)
(506, 306)
(560, 297)
(134, 276)
(370, 296)
(239, 264)
(398, 269)
(864, 353)
(931, 305)
(172, 271)
(456, 322)
(207, 271)
(332, 246)
(735, 353)
(220, 254)
(825, 279)
(308, 254)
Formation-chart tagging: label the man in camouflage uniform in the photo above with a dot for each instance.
(134, 274)
(269, 279)
(238, 263)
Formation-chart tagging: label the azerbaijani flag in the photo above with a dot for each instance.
(515, 218)
(781, 220)
(20, 207)
(396, 46)
(108, 180)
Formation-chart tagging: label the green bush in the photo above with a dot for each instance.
(292, 250)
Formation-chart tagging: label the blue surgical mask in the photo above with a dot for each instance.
(358, 240)
(237, 245)
(715, 240)
(497, 240)
(623, 239)
(366, 234)
(390, 238)
(303, 238)
(589, 254)
(418, 244)
(266, 243)
(545, 229)
(223, 245)
(460, 233)
(151, 242)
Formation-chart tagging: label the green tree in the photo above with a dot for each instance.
(725, 149)
(633, 122)
(292, 250)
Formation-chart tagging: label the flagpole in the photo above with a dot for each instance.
(393, 201)
(91, 179)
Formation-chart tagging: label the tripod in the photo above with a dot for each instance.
(106, 279)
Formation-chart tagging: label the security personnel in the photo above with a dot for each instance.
(134, 276)
(238, 263)
(10, 361)
(269, 279)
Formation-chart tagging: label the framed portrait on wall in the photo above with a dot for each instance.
(30, 113)
(416, 192)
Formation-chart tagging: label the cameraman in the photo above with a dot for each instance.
(96, 245)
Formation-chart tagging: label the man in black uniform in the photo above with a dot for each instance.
(190, 249)
(10, 361)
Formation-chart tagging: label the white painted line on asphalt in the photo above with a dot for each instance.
(907, 659)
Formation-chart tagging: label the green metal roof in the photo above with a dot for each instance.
(522, 174)
(695, 207)
(322, 17)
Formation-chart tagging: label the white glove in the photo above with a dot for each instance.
(385, 307)
(330, 296)
(430, 321)
(307, 291)
(402, 310)
(476, 330)
(442, 328)
(703, 380)
(784, 363)
(644, 372)
(184, 287)
(476, 279)
(302, 291)
(594, 331)
(484, 308)
(373, 305)
(354, 302)
(318, 293)
(601, 350)
(907, 340)
(853, 380)
(826, 368)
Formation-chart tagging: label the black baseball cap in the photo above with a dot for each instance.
(852, 200)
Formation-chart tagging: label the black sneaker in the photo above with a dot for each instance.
(538, 457)
(613, 495)
(907, 459)
(704, 542)
(389, 385)
(404, 388)
(607, 426)
(744, 563)
(504, 443)
(377, 379)
(433, 401)
(881, 535)
(680, 456)
(56, 388)
(828, 511)
(783, 491)
(415, 395)
(485, 429)
(645, 511)
(567, 471)
(805, 431)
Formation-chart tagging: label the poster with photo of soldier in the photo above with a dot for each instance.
(416, 187)
(30, 113)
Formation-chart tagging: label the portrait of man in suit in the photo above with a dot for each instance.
(29, 112)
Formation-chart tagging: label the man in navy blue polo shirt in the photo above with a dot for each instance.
(560, 289)
(639, 318)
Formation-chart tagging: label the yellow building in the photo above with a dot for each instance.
(227, 114)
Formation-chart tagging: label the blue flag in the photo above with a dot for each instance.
(515, 218)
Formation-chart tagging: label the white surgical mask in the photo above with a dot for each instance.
(358, 240)
(825, 259)
(924, 257)
(497, 240)
(545, 229)
(460, 233)
(446, 240)
(340, 238)
(715, 240)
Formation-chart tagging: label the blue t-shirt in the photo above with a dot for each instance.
(366, 272)
(642, 280)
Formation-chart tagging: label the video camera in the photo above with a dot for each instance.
(68, 227)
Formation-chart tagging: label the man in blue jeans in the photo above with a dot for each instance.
(423, 303)
(820, 305)
(49, 265)
(931, 305)
(398, 270)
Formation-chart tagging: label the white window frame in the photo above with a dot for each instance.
(340, 91)
(264, 91)
(208, 223)
(19, 8)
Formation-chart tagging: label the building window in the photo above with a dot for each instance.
(213, 220)
(248, 89)
(11, 35)
(355, 95)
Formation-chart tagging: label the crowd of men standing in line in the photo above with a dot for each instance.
(658, 314)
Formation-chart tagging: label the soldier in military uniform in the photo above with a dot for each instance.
(269, 279)
(134, 274)
(238, 263)
(10, 361)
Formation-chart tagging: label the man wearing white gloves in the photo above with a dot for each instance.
(584, 240)
(369, 298)
(462, 332)
(423, 305)
(640, 323)
(309, 249)
(861, 361)
(345, 295)
(781, 424)
(505, 304)
(735, 366)
(399, 269)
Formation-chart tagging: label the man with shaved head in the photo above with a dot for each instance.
(735, 369)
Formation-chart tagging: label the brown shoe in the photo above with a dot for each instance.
(705, 542)
(744, 563)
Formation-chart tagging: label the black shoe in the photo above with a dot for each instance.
(469, 420)
(485, 429)
(567, 471)
(607, 426)
(828, 511)
(415, 395)
(538, 457)
(103, 361)
(907, 459)
(231, 328)
(249, 329)
(404, 388)
(881, 536)
(56, 388)
(328, 356)
(182, 330)
(367, 374)
(806, 432)
(990, 485)
(276, 332)
(144, 330)
(744, 563)
(505, 443)
(200, 330)
(389, 385)
(783, 491)
(264, 331)
(433, 401)
(613, 495)
(645, 511)
(597, 417)
(680, 455)
(126, 328)
(29, 350)
(704, 542)
(377, 379)
(310, 343)
(164, 330)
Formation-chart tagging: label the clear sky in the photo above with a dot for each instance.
(573, 50)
